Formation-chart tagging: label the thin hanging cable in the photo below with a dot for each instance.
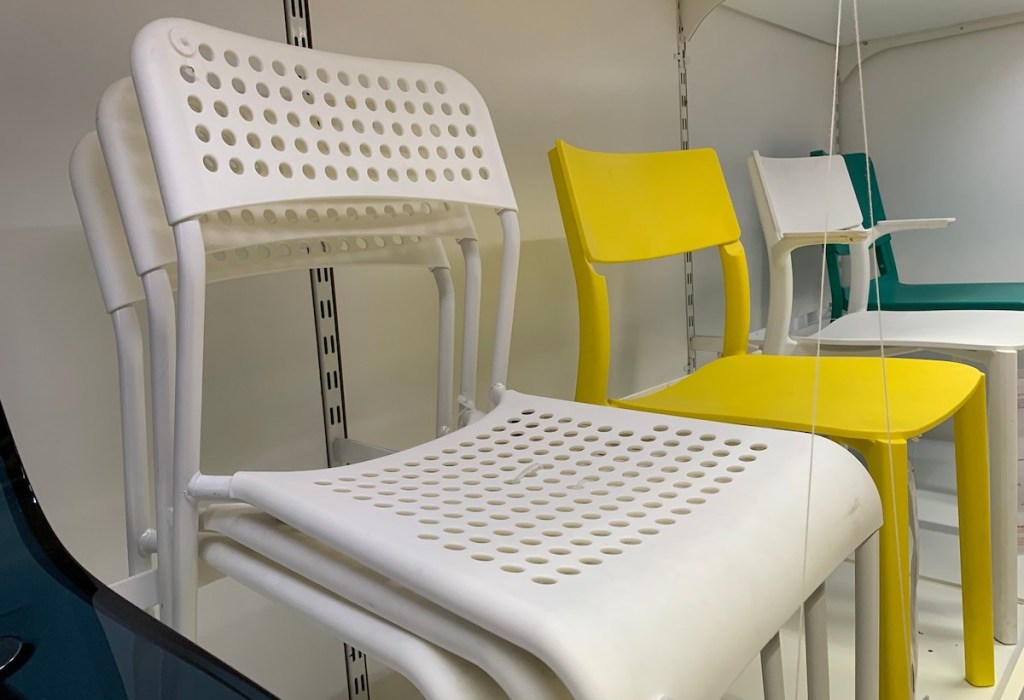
(817, 352)
(897, 527)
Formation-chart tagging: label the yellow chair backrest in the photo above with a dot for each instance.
(627, 207)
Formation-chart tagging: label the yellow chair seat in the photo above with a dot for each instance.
(779, 392)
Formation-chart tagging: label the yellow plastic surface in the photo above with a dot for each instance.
(618, 202)
(631, 207)
(779, 392)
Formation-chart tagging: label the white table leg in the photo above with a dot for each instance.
(1002, 428)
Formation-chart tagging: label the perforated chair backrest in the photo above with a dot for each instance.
(230, 126)
(104, 233)
(275, 237)
(804, 195)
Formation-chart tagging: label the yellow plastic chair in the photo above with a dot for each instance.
(619, 208)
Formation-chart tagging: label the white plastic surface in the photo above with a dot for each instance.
(236, 120)
(103, 230)
(519, 673)
(251, 241)
(435, 673)
(556, 526)
(805, 196)
(896, 225)
(934, 330)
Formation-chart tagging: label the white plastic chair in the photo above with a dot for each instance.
(795, 197)
(434, 671)
(542, 521)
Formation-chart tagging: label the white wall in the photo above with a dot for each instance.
(755, 86)
(944, 127)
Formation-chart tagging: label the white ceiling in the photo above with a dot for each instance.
(878, 18)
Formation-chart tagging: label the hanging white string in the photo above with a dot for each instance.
(897, 527)
(821, 318)
(817, 352)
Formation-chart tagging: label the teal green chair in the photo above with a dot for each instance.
(900, 296)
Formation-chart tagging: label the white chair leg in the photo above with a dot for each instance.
(162, 342)
(188, 391)
(1002, 428)
(470, 330)
(771, 669)
(445, 350)
(866, 620)
(816, 640)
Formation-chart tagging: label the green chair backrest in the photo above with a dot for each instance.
(857, 165)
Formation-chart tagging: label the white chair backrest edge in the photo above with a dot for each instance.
(121, 289)
(104, 233)
(805, 194)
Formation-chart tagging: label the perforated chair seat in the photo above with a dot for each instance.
(553, 529)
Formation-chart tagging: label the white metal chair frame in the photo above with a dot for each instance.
(178, 68)
(794, 196)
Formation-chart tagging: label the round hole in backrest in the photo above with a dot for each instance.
(213, 80)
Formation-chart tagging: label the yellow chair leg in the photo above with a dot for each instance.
(972, 489)
(887, 463)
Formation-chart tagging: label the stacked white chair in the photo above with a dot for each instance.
(416, 227)
(433, 671)
(566, 549)
(794, 197)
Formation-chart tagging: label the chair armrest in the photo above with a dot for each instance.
(793, 241)
(893, 225)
